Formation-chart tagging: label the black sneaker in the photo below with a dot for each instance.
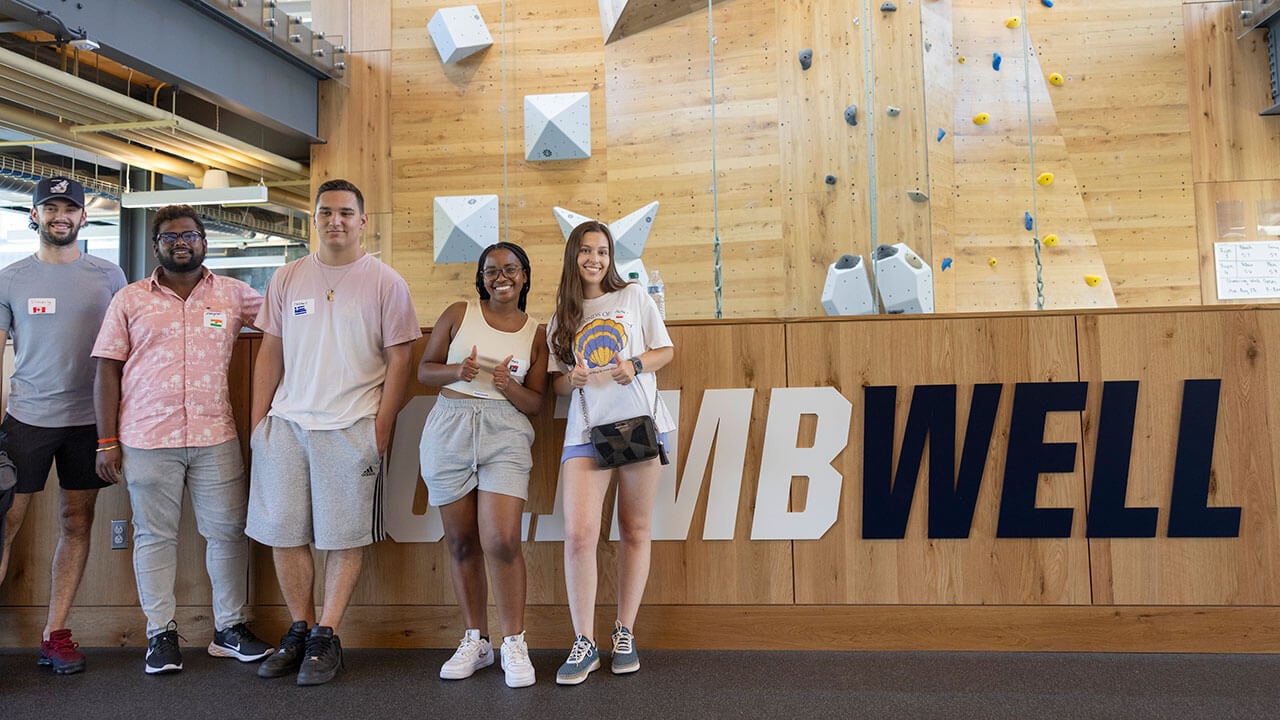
(163, 655)
(288, 655)
(238, 642)
(322, 658)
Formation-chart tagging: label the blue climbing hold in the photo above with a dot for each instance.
(1027, 221)
(1046, 3)
(995, 61)
(946, 263)
(941, 134)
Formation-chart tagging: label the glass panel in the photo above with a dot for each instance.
(1230, 216)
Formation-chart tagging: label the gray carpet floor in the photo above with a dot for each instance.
(672, 684)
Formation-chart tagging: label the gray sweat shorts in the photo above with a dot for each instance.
(470, 443)
(313, 485)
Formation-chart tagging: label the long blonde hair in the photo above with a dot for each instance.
(569, 295)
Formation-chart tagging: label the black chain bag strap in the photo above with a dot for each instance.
(623, 442)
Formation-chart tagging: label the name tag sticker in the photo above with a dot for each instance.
(215, 319)
(42, 306)
(304, 307)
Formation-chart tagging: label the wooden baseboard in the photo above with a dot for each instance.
(748, 627)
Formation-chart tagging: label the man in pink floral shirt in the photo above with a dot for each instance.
(165, 423)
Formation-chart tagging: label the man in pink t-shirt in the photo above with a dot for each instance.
(338, 327)
(164, 414)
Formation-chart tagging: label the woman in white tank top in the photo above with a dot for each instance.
(489, 359)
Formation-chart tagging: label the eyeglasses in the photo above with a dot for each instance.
(511, 271)
(190, 237)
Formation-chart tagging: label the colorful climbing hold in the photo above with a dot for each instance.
(941, 134)
(981, 118)
(1028, 222)
(961, 59)
(1056, 79)
(1013, 22)
(995, 61)
(1047, 3)
(1045, 178)
(1092, 280)
(946, 263)
(831, 179)
(1049, 240)
(991, 261)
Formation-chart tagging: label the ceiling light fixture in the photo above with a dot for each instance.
(246, 195)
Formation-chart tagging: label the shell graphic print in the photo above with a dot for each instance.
(601, 341)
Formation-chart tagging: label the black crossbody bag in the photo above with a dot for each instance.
(623, 442)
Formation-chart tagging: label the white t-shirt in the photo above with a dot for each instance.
(615, 326)
(334, 364)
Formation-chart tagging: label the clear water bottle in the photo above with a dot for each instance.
(658, 293)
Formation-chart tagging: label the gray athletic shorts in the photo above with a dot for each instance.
(470, 443)
(313, 485)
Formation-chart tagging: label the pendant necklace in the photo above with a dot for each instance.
(329, 292)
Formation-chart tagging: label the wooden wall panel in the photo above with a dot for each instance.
(844, 568)
(1164, 350)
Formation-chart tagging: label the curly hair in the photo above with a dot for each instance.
(523, 259)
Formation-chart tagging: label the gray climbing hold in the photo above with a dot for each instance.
(851, 114)
(917, 196)
(888, 7)
(894, 111)
(831, 179)
(806, 58)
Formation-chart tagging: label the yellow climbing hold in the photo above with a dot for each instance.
(1092, 280)
(960, 59)
(1049, 240)
(1045, 178)
(991, 261)
(981, 119)
(1013, 22)
(1056, 79)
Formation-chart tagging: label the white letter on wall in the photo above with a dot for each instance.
(782, 460)
(401, 482)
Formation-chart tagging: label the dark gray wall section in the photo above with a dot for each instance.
(185, 44)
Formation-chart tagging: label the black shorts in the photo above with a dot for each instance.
(33, 450)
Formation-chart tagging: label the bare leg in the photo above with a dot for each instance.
(462, 533)
(584, 491)
(295, 571)
(69, 557)
(499, 519)
(637, 491)
(341, 572)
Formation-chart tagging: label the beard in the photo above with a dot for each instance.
(181, 266)
(47, 236)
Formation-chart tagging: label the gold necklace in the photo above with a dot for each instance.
(329, 292)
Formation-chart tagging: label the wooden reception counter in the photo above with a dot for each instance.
(1088, 480)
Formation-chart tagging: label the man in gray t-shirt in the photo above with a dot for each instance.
(51, 305)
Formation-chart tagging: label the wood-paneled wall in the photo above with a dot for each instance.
(841, 589)
(1136, 118)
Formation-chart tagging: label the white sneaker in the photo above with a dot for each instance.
(515, 661)
(472, 654)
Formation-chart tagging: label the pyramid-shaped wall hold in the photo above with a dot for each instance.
(568, 220)
(464, 226)
(458, 32)
(557, 127)
(632, 232)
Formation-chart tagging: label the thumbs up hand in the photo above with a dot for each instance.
(502, 375)
(578, 376)
(469, 368)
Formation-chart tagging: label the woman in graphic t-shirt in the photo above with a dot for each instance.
(607, 340)
(489, 359)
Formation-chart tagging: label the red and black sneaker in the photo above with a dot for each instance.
(60, 652)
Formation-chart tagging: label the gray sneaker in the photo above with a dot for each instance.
(583, 660)
(288, 655)
(322, 658)
(625, 657)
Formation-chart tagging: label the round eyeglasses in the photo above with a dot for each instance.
(511, 271)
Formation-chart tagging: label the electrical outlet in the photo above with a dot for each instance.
(119, 535)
